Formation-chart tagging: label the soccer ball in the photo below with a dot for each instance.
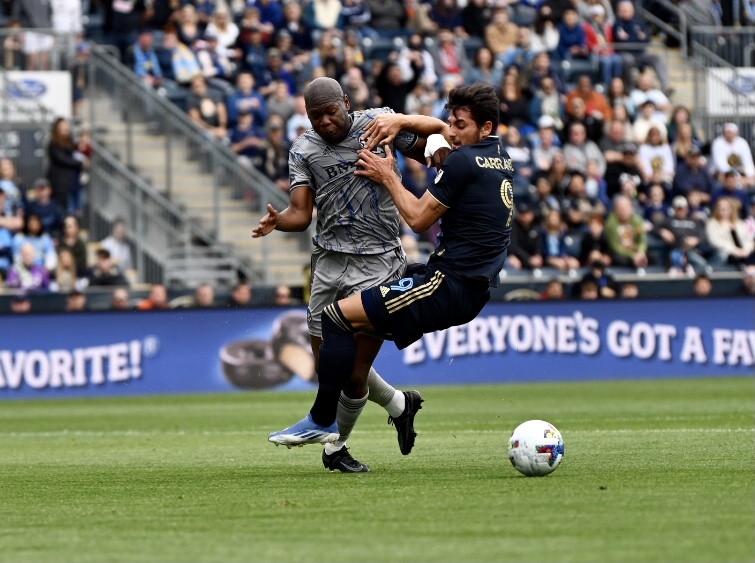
(536, 448)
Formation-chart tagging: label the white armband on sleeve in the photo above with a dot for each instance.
(434, 142)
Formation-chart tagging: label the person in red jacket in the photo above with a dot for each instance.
(599, 37)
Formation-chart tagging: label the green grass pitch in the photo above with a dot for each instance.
(653, 471)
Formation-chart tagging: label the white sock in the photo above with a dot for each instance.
(397, 405)
(380, 391)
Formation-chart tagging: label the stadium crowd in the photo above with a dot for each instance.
(610, 175)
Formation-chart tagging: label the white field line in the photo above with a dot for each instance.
(180, 433)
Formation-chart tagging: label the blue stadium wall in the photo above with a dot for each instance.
(188, 351)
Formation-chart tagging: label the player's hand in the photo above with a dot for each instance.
(438, 158)
(376, 168)
(382, 130)
(436, 150)
(267, 223)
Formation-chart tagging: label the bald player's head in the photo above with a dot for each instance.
(328, 109)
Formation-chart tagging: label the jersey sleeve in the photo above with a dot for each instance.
(451, 179)
(298, 171)
(405, 140)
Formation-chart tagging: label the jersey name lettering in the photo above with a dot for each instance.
(494, 162)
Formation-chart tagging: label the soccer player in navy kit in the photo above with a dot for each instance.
(473, 197)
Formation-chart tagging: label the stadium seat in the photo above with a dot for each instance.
(381, 48)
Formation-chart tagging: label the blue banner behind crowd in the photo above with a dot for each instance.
(181, 351)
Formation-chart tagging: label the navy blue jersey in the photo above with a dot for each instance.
(476, 184)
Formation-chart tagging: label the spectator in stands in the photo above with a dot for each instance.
(476, 15)
(545, 148)
(189, 27)
(449, 57)
(728, 235)
(223, 28)
(6, 252)
(572, 43)
(683, 142)
(692, 174)
(626, 236)
(246, 99)
(356, 89)
(523, 52)
(146, 63)
(656, 159)
(646, 120)
(526, 250)
(274, 153)
(447, 14)
(120, 300)
(484, 69)
(183, 67)
(283, 296)
(118, 246)
(703, 286)
(44, 249)
(156, 300)
(514, 106)
(626, 169)
(539, 68)
(728, 151)
(732, 188)
(501, 34)
(629, 290)
(594, 245)
(388, 17)
(599, 36)
(295, 58)
(76, 300)
(299, 122)
(66, 278)
(11, 215)
(554, 291)
(596, 104)
(617, 96)
(206, 109)
(215, 64)
(656, 209)
(204, 296)
(545, 36)
(548, 103)
(280, 102)
(356, 16)
(20, 304)
(645, 91)
(748, 282)
(122, 21)
(588, 290)
(26, 273)
(65, 163)
(271, 14)
(324, 15)
(631, 36)
(35, 14)
(681, 116)
(613, 142)
(105, 272)
(578, 206)
(604, 281)
(577, 113)
(71, 239)
(10, 183)
(620, 114)
(247, 139)
(686, 239)
(294, 23)
(241, 296)
(275, 72)
(419, 18)
(559, 176)
(555, 249)
(580, 150)
(391, 86)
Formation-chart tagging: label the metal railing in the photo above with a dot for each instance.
(667, 28)
(732, 44)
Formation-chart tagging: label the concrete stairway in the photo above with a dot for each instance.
(281, 256)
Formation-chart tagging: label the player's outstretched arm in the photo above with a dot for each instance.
(383, 129)
(419, 214)
(295, 218)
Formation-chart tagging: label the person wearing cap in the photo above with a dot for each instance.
(617, 172)
(685, 239)
(526, 249)
(692, 174)
(599, 36)
(275, 71)
(728, 151)
(105, 272)
(546, 148)
(547, 104)
(732, 187)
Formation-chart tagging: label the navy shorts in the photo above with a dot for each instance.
(425, 301)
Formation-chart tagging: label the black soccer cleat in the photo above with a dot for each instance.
(405, 422)
(343, 461)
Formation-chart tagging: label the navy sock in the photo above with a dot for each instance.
(337, 357)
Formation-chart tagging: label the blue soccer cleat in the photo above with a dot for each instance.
(306, 431)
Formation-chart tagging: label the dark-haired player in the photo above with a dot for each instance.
(357, 245)
(473, 197)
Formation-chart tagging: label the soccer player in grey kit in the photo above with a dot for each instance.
(357, 245)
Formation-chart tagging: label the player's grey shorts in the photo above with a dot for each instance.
(336, 275)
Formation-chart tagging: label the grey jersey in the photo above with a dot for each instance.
(354, 214)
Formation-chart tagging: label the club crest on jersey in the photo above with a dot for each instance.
(403, 284)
